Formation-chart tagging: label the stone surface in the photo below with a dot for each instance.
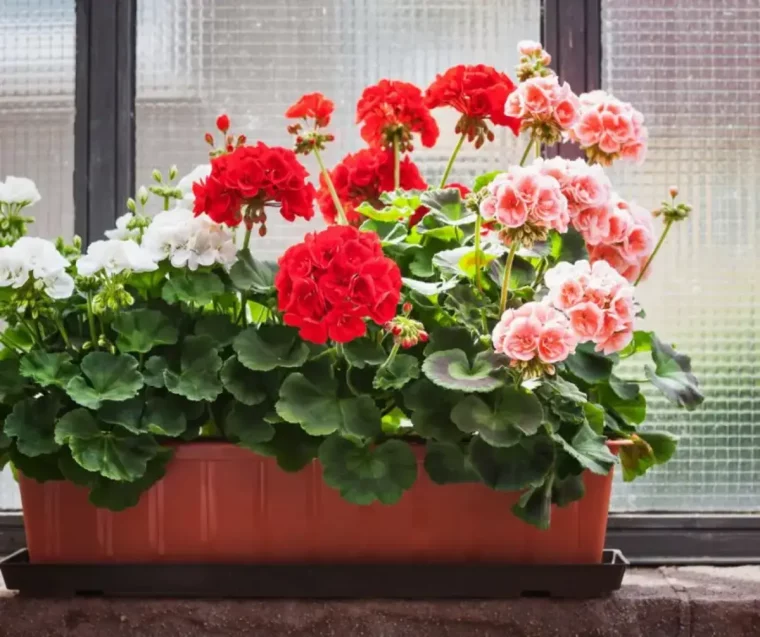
(666, 602)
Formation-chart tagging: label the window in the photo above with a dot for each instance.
(693, 69)
(37, 120)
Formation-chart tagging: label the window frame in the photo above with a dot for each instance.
(104, 177)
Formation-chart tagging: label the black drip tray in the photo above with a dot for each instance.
(315, 581)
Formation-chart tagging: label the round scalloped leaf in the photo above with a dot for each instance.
(316, 407)
(218, 328)
(164, 416)
(363, 352)
(365, 474)
(649, 449)
(520, 466)
(198, 378)
(246, 386)
(247, 425)
(121, 458)
(291, 445)
(448, 464)
(117, 496)
(110, 376)
(249, 274)
(269, 347)
(535, 505)
(589, 449)
(431, 410)
(195, 288)
(445, 338)
(588, 365)
(673, 377)
(153, 371)
(78, 423)
(32, 425)
(46, 368)
(125, 413)
(451, 369)
(142, 330)
(398, 373)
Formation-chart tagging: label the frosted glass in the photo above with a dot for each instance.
(37, 120)
(693, 68)
(251, 60)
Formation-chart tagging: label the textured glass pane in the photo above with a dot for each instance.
(693, 68)
(251, 60)
(37, 119)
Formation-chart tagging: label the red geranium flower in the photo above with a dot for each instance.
(479, 93)
(363, 176)
(314, 105)
(246, 180)
(392, 109)
(335, 279)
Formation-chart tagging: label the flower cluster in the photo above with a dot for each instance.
(534, 60)
(189, 241)
(609, 128)
(18, 192)
(246, 180)
(113, 257)
(36, 260)
(527, 203)
(391, 112)
(597, 300)
(363, 176)
(335, 279)
(534, 337)
(479, 93)
(546, 108)
(614, 230)
(312, 106)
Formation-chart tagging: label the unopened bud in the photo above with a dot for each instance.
(142, 195)
(407, 343)
(131, 205)
(230, 148)
(673, 191)
(209, 139)
(156, 174)
(546, 59)
(223, 123)
(241, 140)
(262, 231)
(423, 337)
(329, 137)
(406, 307)
(172, 172)
(387, 326)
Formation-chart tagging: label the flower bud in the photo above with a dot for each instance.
(223, 123)
(423, 337)
(406, 307)
(142, 195)
(387, 326)
(156, 174)
(209, 139)
(407, 343)
(396, 330)
(172, 172)
(241, 140)
(230, 148)
(545, 58)
(262, 230)
(529, 47)
(131, 205)
(673, 191)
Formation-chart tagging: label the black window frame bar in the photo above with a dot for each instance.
(104, 177)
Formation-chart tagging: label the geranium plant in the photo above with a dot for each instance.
(490, 327)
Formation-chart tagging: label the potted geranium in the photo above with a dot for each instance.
(453, 351)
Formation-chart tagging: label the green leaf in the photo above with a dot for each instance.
(514, 468)
(198, 378)
(535, 505)
(634, 409)
(390, 233)
(451, 369)
(428, 289)
(431, 410)
(117, 496)
(448, 464)
(249, 274)
(402, 198)
(269, 347)
(569, 246)
(73, 472)
(445, 338)
(32, 425)
(673, 377)
(594, 416)
(78, 423)
(122, 458)
(317, 408)
(421, 264)
(218, 328)
(246, 386)
(388, 214)
(126, 413)
(19, 337)
(366, 474)
(153, 374)
(642, 342)
(461, 261)
(624, 389)
(11, 381)
(291, 445)
(501, 421)
(363, 352)
(40, 468)
(590, 450)
(194, 288)
(483, 180)
(401, 370)
(568, 490)
(589, 366)
(649, 449)
(247, 425)
(164, 416)
(142, 330)
(110, 376)
(44, 368)
(446, 208)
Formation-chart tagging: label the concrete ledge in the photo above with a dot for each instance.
(665, 602)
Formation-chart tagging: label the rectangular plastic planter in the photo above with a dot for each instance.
(219, 503)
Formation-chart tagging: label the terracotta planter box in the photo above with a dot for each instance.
(220, 503)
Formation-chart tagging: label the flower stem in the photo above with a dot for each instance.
(91, 321)
(507, 273)
(6, 343)
(526, 152)
(654, 253)
(166, 203)
(391, 356)
(342, 219)
(247, 240)
(478, 282)
(450, 165)
(64, 333)
(396, 164)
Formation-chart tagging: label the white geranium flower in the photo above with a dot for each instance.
(189, 241)
(114, 256)
(58, 286)
(13, 270)
(19, 190)
(40, 256)
(122, 232)
(185, 185)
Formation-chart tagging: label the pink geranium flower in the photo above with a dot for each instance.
(545, 107)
